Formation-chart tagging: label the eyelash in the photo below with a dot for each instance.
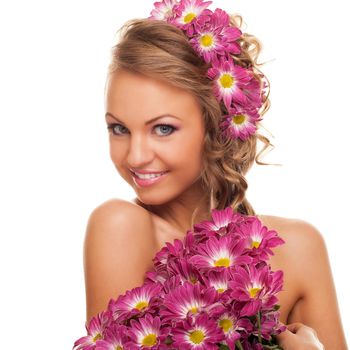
(111, 127)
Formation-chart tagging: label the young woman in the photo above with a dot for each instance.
(163, 114)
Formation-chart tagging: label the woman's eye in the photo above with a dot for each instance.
(114, 127)
(164, 128)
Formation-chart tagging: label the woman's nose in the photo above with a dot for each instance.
(140, 151)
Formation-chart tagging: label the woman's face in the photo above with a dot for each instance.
(173, 143)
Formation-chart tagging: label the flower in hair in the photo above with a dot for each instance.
(240, 124)
(215, 39)
(230, 81)
(214, 36)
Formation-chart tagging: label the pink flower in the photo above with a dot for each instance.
(220, 253)
(95, 330)
(213, 35)
(163, 10)
(231, 81)
(255, 288)
(146, 333)
(189, 299)
(115, 337)
(221, 223)
(199, 333)
(136, 302)
(186, 11)
(259, 239)
(240, 124)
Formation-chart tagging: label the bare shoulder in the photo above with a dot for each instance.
(117, 209)
(117, 251)
(299, 235)
(304, 247)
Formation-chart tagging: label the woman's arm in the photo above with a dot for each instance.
(318, 307)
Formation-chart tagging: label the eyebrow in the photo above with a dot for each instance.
(148, 121)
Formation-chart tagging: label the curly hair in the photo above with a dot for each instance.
(160, 50)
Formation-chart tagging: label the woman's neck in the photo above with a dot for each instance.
(178, 212)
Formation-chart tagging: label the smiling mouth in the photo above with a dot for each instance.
(148, 176)
(148, 180)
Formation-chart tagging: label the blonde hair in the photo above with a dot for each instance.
(161, 50)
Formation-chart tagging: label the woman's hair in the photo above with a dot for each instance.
(160, 50)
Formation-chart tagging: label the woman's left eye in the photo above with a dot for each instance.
(165, 127)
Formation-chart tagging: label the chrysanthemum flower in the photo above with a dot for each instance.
(230, 324)
(219, 280)
(197, 333)
(137, 301)
(219, 253)
(114, 338)
(147, 333)
(240, 124)
(221, 222)
(186, 12)
(172, 251)
(95, 329)
(253, 286)
(259, 239)
(230, 81)
(163, 10)
(254, 90)
(185, 270)
(189, 299)
(213, 36)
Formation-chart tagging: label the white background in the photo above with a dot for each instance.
(55, 166)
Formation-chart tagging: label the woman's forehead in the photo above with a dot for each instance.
(135, 94)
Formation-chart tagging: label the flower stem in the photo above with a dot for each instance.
(239, 345)
(259, 326)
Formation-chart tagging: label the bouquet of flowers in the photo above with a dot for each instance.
(212, 290)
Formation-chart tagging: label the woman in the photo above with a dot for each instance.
(162, 114)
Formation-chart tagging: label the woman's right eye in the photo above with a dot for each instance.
(113, 127)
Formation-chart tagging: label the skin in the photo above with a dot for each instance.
(308, 300)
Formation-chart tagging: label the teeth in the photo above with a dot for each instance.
(148, 176)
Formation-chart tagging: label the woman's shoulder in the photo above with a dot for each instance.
(294, 230)
(303, 249)
(120, 219)
(116, 211)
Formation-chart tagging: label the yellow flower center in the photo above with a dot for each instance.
(226, 324)
(227, 80)
(149, 340)
(220, 290)
(97, 337)
(238, 119)
(222, 262)
(118, 348)
(194, 309)
(255, 244)
(253, 292)
(206, 40)
(196, 336)
(189, 17)
(141, 305)
(193, 279)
